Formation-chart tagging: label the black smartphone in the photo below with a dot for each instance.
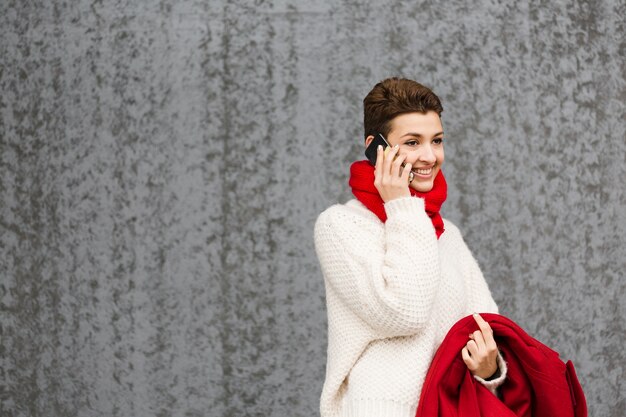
(371, 150)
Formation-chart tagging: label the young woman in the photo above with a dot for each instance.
(397, 275)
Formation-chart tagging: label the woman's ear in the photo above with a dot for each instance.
(368, 140)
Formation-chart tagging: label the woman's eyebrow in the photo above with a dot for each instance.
(419, 135)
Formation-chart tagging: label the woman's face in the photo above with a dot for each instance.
(420, 136)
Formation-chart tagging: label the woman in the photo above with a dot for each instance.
(397, 275)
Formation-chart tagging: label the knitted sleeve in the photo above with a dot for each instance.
(479, 295)
(387, 277)
(479, 301)
(493, 383)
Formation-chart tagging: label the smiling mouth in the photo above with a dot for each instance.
(423, 172)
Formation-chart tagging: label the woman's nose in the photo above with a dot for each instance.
(427, 155)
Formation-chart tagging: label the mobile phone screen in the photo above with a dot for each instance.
(371, 150)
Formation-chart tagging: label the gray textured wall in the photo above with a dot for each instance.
(162, 164)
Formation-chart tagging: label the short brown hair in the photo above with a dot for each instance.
(392, 97)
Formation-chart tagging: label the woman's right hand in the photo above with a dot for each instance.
(391, 180)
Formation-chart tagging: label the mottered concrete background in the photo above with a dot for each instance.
(162, 164)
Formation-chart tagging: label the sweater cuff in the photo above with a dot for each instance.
(407, 204)
(493, 384)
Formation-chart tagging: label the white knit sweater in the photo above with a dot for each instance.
(392, 293)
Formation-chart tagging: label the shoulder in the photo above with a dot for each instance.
(350, 221)
(453, 237)
(451, 229)
(351, 212)
(454, 241)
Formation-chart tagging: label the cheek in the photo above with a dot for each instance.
(410, 156)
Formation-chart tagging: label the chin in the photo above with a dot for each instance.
(423, 187)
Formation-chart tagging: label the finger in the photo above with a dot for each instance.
(390, 156)
(389, 159)
(482, 324)
(491, 345)
(471, 365)
(405, 172)
(487, 333)
(490, 342)
(398, 159)
(378, 168)
(478, 338)
(396, 168)
(472, 347)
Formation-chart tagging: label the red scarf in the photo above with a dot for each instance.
(362, 183)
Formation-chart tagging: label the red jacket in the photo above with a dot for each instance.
(537, 384)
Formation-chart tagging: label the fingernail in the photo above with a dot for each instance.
(380, 147)
(396, 146)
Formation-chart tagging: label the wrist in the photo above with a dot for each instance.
(407, 204)
(497, 379)
(495, 375)
(487, 373)
(388, 198)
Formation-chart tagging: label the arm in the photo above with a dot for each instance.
(492, 383)
(387, 279)
(479, 299)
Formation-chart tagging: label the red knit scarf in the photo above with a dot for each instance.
(362, 183)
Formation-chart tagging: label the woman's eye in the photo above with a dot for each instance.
(412, 143)
(438, 141)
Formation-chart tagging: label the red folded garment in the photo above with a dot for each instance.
(538, 383)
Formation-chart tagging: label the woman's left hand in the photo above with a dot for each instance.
(481, 352)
